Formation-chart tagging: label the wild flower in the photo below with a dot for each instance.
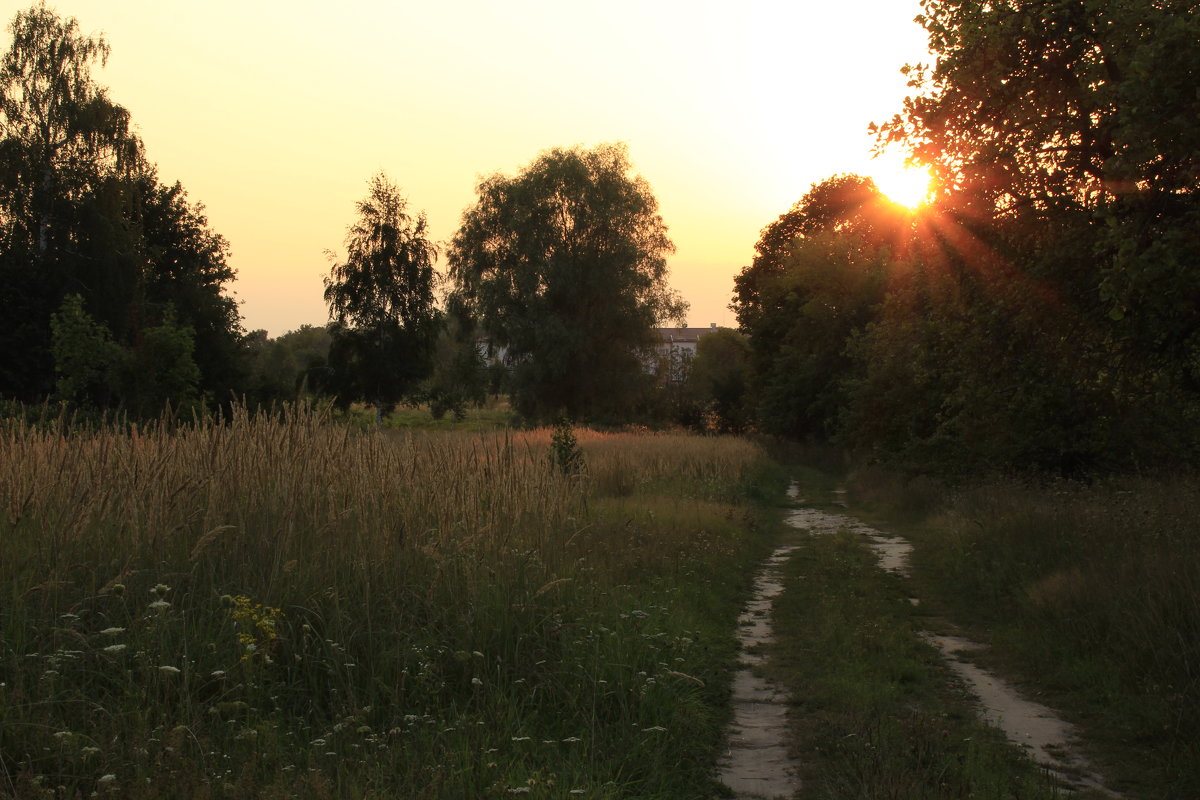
(115, 648)
(111, 631)
(105, 781)
(168, 670)
(257, 625)
(159, 605)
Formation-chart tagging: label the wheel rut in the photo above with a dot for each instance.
(1049, 740)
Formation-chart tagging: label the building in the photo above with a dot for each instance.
(676, 349)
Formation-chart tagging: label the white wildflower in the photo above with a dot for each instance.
(111, 631)
(114, 648)
(168, 670)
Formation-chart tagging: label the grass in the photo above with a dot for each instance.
(284, 607)
(876, 713)
(495, 415)
(1090, 596)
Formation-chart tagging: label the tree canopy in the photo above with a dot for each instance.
(384, 322)
(82, 214)
(564, 266)
(1044, 311)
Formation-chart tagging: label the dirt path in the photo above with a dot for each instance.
(1049, 740)
(755, 763)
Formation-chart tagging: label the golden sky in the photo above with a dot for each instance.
(275, 114)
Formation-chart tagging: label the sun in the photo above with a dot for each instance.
(904, 185)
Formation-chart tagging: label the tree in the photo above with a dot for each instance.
(719, 379)
(384, 322)
(565, 267)
(1083, 107)
(82, 213)
(62, 142)
(1064, 134)
(291, 364)
(85, 356)
(816, 279)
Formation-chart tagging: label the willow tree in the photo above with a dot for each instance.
(565, 267)
(384, 320)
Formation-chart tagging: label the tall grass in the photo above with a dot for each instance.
(275, 606)
(1094, 593)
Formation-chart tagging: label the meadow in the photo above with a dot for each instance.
(1089, 595)
(281, 606)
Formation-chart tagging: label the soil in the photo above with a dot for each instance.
(756, 763)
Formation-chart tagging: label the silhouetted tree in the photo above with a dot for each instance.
(82, 213)
(381, 302)
(565, 267)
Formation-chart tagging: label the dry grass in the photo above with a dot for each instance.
(208, 606)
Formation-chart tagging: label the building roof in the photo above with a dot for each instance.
(681, 335)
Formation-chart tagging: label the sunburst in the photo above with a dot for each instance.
(903, 184)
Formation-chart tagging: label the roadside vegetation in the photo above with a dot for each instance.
(1087, 596)
(283, 607)
(875, 711)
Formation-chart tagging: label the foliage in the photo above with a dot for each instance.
(460, 371)
(82, 213)
(815, 281)
(160, 369)
(294, 363)
(1087, 593)
(85, 356)
(718, 380)
(564, 266)
(334, 613)
(1041, 313)
(565, 454)
(383, 319)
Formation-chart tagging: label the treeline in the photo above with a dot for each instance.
(118, 298)
(1043, 312)
(111, 281)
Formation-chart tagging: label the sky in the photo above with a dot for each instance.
(275, 115)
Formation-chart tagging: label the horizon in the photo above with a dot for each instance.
(270, 116)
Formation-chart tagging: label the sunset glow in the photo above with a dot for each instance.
(274, 115)
(904, 185)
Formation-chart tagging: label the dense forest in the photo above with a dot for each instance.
(1041, 312)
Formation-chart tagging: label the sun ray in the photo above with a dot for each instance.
(905, 185)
